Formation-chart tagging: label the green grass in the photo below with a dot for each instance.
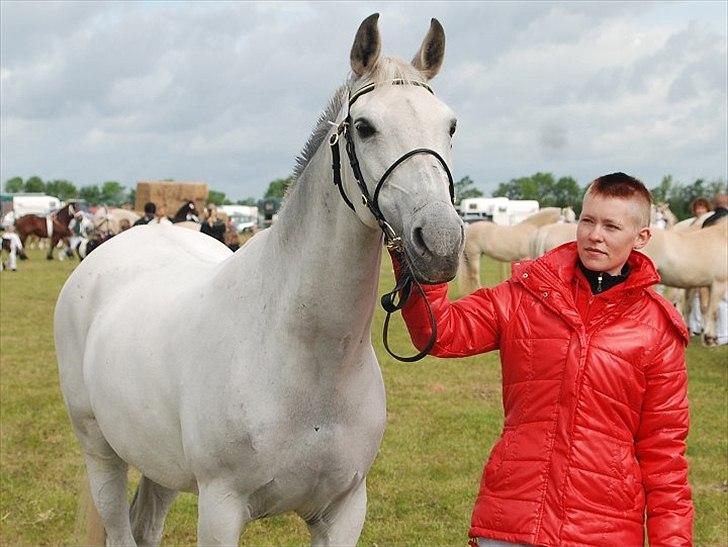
(443, 417)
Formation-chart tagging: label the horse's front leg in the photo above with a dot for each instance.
(342, 521)
(717, 293)
(54, 241)
(221, 515)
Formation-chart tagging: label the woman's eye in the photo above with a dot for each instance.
(453, 127)
(364, 129)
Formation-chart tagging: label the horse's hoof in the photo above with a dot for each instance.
(49, 258)
(23, 256)
(710, 341)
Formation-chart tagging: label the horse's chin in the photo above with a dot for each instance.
(433, 271)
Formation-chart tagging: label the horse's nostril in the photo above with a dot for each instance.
(418, 240)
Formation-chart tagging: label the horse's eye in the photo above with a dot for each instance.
(364, 129)
(453, 127)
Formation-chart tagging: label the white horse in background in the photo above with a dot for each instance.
(693, 259)
(111, 221)
(661, 216)
(503, 243)
(286, 412)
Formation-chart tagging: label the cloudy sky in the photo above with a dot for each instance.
(227, 93)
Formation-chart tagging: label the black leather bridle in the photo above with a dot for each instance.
(397, 297)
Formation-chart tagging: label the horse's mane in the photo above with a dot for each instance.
(387, 68)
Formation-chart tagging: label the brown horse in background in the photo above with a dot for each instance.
(38, 225)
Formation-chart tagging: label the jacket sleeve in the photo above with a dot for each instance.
(466, 327)
(660, 447)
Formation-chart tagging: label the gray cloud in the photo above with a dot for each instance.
(228, 92)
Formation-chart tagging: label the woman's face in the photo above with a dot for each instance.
(607, 232)
(699, 210)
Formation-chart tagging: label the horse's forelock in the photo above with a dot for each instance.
(386, 69)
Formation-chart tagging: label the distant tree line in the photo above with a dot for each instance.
(543, 187)
(111, 192)
(552, 192)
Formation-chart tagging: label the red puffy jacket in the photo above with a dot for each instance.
(595, 404)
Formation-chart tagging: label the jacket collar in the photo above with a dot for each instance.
(557, 268)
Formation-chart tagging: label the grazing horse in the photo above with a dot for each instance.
(503, 243)
(53, 227)
(188, 212)
(287, 412)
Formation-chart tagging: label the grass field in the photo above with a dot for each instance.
(443, 417)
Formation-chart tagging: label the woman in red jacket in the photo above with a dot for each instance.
(594, 386)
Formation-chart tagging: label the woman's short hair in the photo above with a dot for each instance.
(623, 186)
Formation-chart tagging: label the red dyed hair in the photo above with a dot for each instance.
(622, 186)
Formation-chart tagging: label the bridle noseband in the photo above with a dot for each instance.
(397, 298)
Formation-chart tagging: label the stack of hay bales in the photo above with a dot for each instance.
(170, 195)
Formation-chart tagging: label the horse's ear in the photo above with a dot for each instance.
(367, 45)
(428, 59)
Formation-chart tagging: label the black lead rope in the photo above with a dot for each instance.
(397, 297)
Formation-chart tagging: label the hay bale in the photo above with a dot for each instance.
(170, 195)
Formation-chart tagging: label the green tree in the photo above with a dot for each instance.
(464, 189)
(247, 201)
(663, 192)
(91, 194)
(113, 193)
(62, 189)
(218, 198)
(278, 187)
(543, 188)
(566, 193)
(14, 185)
(132, 197)
(34, 184)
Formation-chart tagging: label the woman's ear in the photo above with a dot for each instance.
(642, 238)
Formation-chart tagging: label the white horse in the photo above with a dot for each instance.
(503, 243)
(693, 259)
(110, 221)
(661, 216)
(286, 412)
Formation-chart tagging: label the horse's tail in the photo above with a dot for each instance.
(89, 527)
(469, 269)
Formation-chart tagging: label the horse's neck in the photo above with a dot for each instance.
(321, 254)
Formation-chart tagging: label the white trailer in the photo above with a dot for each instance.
(30, 204)
(474, 209)
(516, 211)
(244, 217)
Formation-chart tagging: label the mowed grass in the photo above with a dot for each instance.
(443, 417)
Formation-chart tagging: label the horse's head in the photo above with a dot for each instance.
(401, 134)
(567, 215)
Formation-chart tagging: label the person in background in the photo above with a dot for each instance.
(81, 228)
(161, 217)
(699, 207)
(213, 225)
(594, 386)
(720, 213)
(11, 242)
(149, 211)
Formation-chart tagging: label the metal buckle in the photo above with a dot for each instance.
(395, 244)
